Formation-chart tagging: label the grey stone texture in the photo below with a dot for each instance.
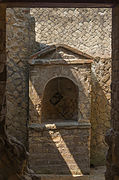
(59, 111)
(12, 152)
(100, 108)
(113, 169)
(60, 151)
(19, 47)
(60, 75)
(86, 29)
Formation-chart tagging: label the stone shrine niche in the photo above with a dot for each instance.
(59, 111)
(60, 101)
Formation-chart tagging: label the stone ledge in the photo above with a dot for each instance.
(60, 177)
(95, 174)
(59, 125)
(59, 62)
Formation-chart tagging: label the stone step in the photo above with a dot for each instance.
(95, 174)
(59, 177)
(56, 177)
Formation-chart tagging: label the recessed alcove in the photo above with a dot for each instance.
(60, 101)
(59, 111)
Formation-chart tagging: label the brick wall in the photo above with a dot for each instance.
(88, 30)
(20, 40)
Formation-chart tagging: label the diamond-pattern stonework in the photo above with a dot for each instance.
(85, 29)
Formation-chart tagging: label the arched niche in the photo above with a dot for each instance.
(60, 101)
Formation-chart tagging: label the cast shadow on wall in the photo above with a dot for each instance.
(59, 137)
(100, 118)
(60, 145)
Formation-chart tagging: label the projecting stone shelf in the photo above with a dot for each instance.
(59, 62)
(60, 125)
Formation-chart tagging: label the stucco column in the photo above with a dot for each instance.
(112, 137)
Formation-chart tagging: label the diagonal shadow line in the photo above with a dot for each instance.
(70, 150)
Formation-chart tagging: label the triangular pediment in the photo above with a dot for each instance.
(61, 52)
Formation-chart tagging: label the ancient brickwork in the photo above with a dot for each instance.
(100, 108)
(20, 40)
(88, 30)
(59, 111)
(79, 74)
(90, 33)
(12, 152)
(60, 149)
(112, 138)
(36, 89)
